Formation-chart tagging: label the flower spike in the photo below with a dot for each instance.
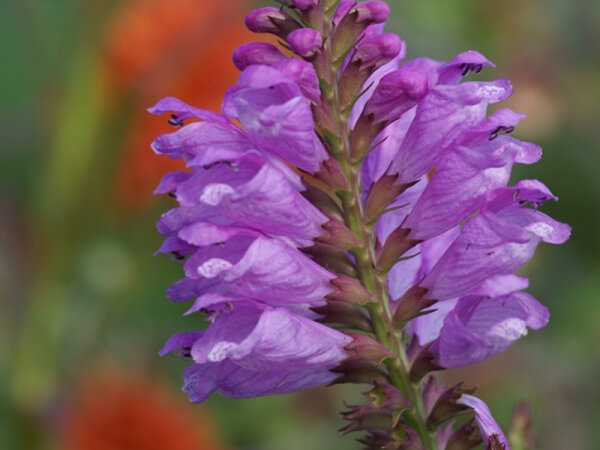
(346, 218)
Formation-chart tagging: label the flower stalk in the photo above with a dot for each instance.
(353, 210)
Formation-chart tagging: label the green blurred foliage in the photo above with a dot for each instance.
(78, 282)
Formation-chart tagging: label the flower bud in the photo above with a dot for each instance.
(305, 41)
(270, 20)
(256, 53)
(373, 12)
(375, 51)
(304, 4)
(351, 19)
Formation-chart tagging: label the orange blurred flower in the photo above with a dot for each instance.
(115, 411)
(155, 48)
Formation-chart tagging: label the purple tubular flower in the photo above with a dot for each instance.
(305, 41)
(487, 425)
(255, 350)
(262, 268)
(256, 53)
(255, 193)
(441, 118)
(480, 327)
(276, 116)
(497, 241)
(466, 175)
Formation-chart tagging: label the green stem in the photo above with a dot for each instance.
(365, 256)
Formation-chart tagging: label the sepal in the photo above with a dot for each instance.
(323, 201)
(351, 290)
(359, 372)
(422, 363)
(332, 258)
(332, 175)
(465, 438)
(366, 417)
(365, 347)
(382, 193)
(446, 405)
(344, 313)
(412, 304)
(363, 134)
(396, 245)
(337, 234)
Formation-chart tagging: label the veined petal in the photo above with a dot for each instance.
(257, 350)
(203, 143)
(264, 269)
(442, 117)
(256, 194)
(481, 327)
(276, 116)
(183, 111)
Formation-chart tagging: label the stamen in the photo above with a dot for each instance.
(501, 129)
(465, 68)
(175, 121)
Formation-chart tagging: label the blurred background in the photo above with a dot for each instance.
(83, 305)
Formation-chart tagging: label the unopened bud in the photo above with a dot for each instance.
(377, 50)
(270, 20)
(306, 42)
(304, 4)
(373, 12)
(351, 19)
(256, 53)
(397, 92)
